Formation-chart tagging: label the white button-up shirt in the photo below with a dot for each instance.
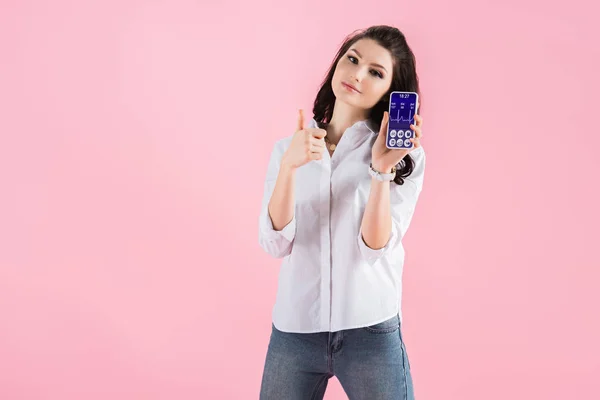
(329, 278)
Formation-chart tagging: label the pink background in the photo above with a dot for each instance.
(134, 142)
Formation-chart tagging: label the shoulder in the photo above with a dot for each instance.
(280, 146)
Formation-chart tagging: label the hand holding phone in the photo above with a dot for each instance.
(402, 110)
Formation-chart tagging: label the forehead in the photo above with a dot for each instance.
(372, 52)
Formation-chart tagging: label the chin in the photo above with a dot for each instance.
(351, 102)
(343, 96)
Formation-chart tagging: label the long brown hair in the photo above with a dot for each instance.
(404, 78)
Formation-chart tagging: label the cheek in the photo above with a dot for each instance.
(339, 70)
(336, 73)
(375, 89)
(380, 88)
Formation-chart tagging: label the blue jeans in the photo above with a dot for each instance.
(370, 363)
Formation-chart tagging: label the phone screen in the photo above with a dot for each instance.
(403, 107)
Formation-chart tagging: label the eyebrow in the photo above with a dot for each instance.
(376, 65)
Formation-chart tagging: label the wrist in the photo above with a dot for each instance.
(286, 167)
(382, 168)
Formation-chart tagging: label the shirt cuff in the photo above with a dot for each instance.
(269, 232)
(373, 255)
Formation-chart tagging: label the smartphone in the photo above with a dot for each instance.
(403, 107)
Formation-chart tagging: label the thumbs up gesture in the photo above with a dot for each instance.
(307, 144)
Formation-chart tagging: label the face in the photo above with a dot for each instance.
(368, 68)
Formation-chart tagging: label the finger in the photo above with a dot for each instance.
(316, 156)
(418, 120)
(384, 123)
(318, 133)
(316, 148)
(300, 125)
(317, 142)
(417, 130)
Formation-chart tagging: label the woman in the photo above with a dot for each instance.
(339, 226)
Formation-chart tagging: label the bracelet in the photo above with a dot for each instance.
(380, 176)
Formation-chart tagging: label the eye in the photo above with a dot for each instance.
(374, 72)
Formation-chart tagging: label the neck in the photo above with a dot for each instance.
(344, 116)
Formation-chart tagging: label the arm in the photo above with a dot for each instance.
(376, 226)
(278, 219)
(389, 211)
(281, 205)
(277, 222)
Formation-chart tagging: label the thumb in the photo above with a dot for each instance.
(384, 124)
(300, 120)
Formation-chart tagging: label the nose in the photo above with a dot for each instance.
(360, 74)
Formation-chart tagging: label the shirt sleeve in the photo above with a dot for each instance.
(276, 243)
(403, 199)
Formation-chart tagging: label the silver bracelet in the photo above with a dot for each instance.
(380, 176)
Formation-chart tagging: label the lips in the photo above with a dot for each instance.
(349, 86)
